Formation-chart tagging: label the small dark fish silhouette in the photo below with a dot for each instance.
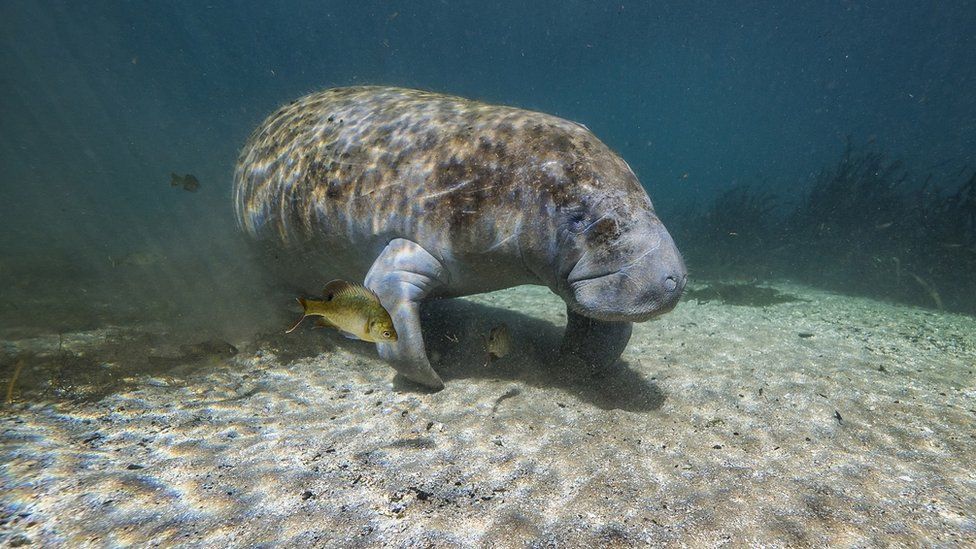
(189, 182)
(498, 343)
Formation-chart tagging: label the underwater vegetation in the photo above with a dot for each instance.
(745, 295)
(734, 235)
(855, 226)
(867, 225)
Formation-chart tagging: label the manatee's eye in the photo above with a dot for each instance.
(576, 220)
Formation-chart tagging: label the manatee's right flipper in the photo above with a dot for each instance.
(402, 276)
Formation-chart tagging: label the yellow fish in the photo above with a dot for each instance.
(352, 309)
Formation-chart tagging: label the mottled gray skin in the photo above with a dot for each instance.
(427, 196)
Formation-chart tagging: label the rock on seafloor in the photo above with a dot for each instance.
(722, 426)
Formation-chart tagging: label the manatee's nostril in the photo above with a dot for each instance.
(670, 283)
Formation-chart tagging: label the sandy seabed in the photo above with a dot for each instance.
(824, 420)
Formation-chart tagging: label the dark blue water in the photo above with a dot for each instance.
(100, 101)
(149, 394)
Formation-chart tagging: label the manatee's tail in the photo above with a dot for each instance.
(305, 315)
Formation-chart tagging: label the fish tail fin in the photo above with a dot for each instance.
(304, 305)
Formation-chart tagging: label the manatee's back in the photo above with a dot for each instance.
(353, 168)
(312, 153)
(355, 163)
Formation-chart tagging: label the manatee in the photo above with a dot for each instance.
(425, 196)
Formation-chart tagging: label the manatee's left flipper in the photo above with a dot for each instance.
(598, 343)
(402, 276)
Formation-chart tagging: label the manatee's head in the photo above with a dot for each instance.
(623, 265)
(606, 252)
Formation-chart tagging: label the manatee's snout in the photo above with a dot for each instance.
(644, 285)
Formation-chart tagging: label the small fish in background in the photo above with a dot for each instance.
(189, 182)
(352, 309)
(212, 350)
(142, 259)
(498, 343)
(215, 348)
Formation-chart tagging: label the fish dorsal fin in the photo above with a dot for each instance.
(337, 288)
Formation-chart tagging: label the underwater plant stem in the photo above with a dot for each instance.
(13, 380)
(930, 288)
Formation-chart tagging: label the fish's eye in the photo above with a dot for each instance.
(386, 333)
